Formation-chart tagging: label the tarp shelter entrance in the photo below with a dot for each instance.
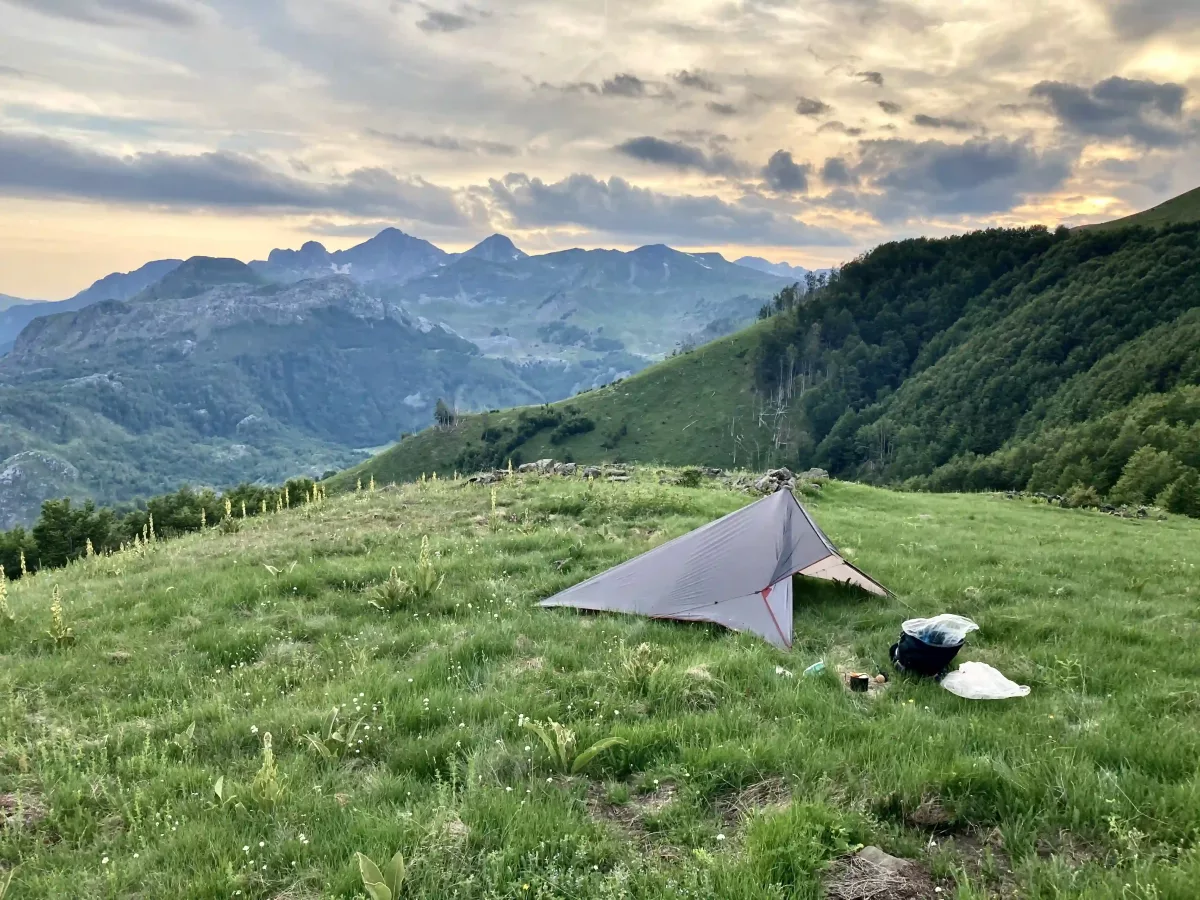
(736, 571)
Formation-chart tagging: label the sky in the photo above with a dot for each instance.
(798, 130)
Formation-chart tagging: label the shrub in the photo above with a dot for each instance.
(1182, 496)
(1147, 473)
(1081, 496)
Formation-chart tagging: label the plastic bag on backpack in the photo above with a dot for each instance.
(979, 681)
(946, 630)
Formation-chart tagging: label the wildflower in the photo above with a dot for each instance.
(104, 862)
(254, 729)
(720, 837)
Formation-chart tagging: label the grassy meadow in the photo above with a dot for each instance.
(135, 760)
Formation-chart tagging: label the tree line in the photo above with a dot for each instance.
(1002, 359)
(65, 530)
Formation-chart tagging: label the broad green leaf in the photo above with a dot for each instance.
(395, 874)
(593, 751)
(372, 878)
(219, 788)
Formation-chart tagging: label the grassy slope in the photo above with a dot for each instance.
(1098, 765)
(1184, 208)
(691, 409)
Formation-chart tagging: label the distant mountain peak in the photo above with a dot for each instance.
(786, 270)
(196, 275)
(496, 248)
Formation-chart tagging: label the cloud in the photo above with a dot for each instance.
(721, 109)
(841, 128)
(678, 155)
(696, 80)
(912, 179)
(784, 175)
(351, 229)
(1147, 112)
(1139, 19)
(618, 208)
(45, 167)
(437, 20)
(925, 121)
(810, 106)
(117, 12)
(875, 78)
(623, 85)
(835, 172)
(889, 107)
(446, 143)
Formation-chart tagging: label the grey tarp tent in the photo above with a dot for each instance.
(736, 571)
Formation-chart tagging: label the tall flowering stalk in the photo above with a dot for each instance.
(6, 612)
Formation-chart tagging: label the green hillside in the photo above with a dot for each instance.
(696, 408)
(958, 363)
(227, 714)
(1177, 210)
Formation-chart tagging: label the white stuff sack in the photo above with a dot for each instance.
(979, 681)
(946, 630)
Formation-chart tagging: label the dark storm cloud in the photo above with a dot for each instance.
(925, 121)
(836, 172)
(616, 207)
(784, 175)
(697, 81)
(437, 20)
(1138, 19)
(841, 128)
(721, 109)
(1146, 111)
(980, 177)
(678, 155)
(116, 12)
(889, 107)
(44, 167)
(446, 143)
(810, 106)
(875, 78)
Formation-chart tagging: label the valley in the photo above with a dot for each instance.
(212, 371)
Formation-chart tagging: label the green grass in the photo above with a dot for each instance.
(1177, 210)
(732, 781)
(698, 408)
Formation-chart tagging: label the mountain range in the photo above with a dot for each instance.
(213, 370)
(1062, 362)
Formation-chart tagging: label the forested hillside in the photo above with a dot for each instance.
(1007, 359)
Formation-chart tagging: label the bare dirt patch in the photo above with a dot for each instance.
(931, 815)
(854, 878)
(20, 811)
(630, 818)
(770, 793)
